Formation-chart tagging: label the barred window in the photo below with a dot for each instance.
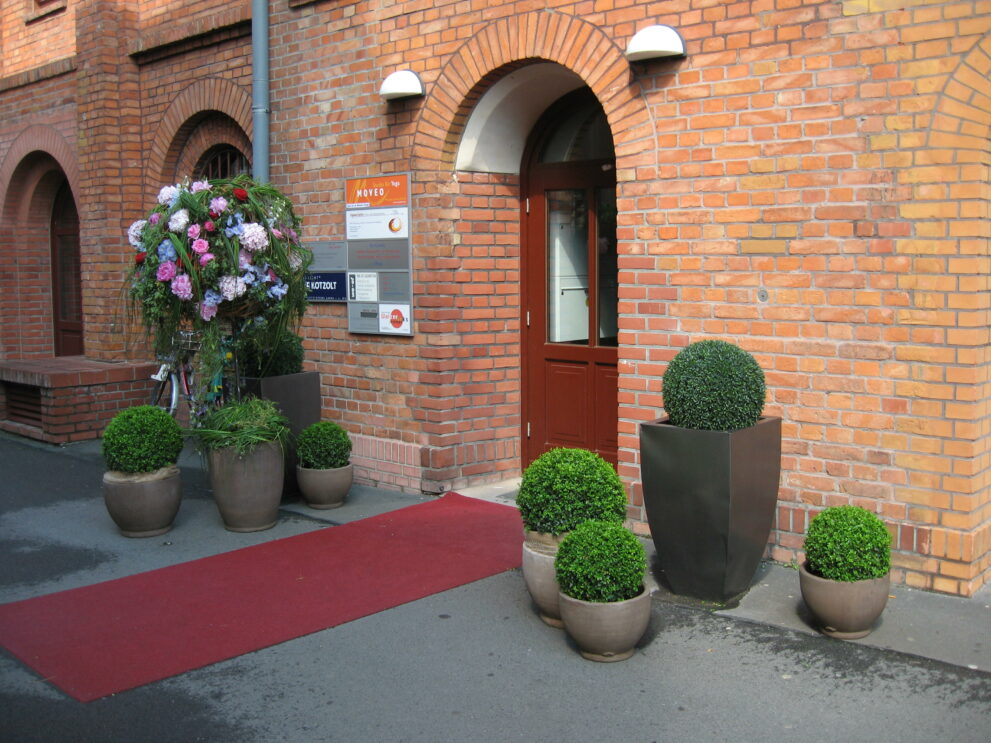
(222, 161)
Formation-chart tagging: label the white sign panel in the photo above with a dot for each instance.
(363, 287)
(377, 224)
(394, 318)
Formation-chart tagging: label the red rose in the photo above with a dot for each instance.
(241, 194)
(139, 258)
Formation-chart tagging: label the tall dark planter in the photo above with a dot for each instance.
(710, 498)
(298, 398)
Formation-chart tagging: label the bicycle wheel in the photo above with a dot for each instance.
(166, 394)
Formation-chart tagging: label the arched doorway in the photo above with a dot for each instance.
(67, 295)
(569, 281)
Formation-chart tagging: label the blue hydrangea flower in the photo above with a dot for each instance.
(166, 251)
(212, 297)
(234, 225)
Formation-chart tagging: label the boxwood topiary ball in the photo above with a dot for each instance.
(848, 543)
(714, 386)
(600, 561)
(141, 439)
(564, 487)
(323, 445)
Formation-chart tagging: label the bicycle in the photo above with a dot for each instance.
(175, 375)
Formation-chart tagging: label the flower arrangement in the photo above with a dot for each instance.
(221, 250)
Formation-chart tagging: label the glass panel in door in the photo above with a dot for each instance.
(567, 266)
(607, 274)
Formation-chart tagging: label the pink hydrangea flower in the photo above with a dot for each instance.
(153, 219)
(200, 246)
(208, 311)
(206, 258)
(193, 232)
(243, 260)
(166, 271)
(179, 220)
(254, 237)
(231, 287)
(182, 287)
(167, 195)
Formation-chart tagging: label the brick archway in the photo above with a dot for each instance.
(181, 117)
(44, 139)
(500, 47)
(952, 178)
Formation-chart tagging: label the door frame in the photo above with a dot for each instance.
(535, 178)
(67, 335)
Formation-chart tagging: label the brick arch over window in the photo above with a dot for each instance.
(958, 166)
(962, 119)
(37, 139)
(543, 35)
(211, 130)
(184, 113)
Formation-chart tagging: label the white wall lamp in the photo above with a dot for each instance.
(655, 42)
(401, 84)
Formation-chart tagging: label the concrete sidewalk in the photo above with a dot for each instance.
(475, 663)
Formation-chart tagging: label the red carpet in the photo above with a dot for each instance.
(113, 636)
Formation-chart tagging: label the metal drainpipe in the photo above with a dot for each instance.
(259, 89)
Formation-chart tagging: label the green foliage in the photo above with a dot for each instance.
(257, 357)
(242, 424)
(141, 439)
(714, 386)
(323, 445)
(564, 487)
(848, 543)
(600, 561)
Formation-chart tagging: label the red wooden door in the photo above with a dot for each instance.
(569, 287)
(67, 303)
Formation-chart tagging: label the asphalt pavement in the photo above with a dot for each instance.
(476, 663)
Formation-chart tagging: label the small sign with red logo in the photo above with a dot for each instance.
(394, 318)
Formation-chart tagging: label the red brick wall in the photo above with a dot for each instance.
(35, 30)
(812, 182)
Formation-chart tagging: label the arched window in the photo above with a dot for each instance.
(222, 161)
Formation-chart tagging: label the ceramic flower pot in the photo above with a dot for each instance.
(248, 489)
(606, 632)
(845, 610)
(326, 488)
(539, 551)
(143, 504)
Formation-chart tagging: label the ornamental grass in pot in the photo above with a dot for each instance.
(600, 568)
(243, 441)
(561, 489)
(710, 471)
(324, 472)
(142, 487)
(846, 574)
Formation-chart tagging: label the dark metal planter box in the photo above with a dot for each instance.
(710, 498)
(298, 398)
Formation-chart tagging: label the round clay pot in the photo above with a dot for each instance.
(606, 632)
(248, 489)
(539, 551)
(325, 488)
(844, 609)
(143, 504)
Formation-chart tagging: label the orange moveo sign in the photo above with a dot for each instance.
(385, 190)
